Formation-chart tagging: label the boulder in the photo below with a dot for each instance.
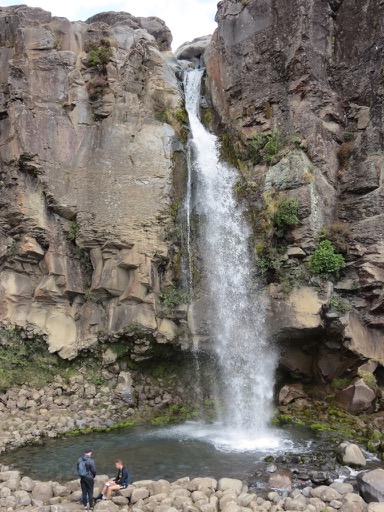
(375, 507)
(230, 484)
(193, 50)
(357, 398)
(42, 491)
(281, 480)
(351, 455)
(123, 389)
(352, 502)
(11, 479)
(290, 393)
(139, 494)
(106, 506)
(371, 485)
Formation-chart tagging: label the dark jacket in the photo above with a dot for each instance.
(122, 477)
(89, 464)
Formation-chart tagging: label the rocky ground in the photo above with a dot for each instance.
(28, 414)
(197, 495)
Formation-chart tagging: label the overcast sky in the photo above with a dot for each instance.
(186, 19)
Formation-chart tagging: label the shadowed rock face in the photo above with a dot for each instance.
(86, 173)
(314, 69)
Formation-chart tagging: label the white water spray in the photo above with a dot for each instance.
(246, 361)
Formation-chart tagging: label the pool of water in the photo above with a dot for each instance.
(191, 449)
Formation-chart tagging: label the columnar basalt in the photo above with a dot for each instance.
(87, 141)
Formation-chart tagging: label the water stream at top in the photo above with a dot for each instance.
(236, 312)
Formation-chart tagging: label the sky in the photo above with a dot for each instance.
(186, 19)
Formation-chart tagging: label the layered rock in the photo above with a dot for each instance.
(86, 174)
(311, 70)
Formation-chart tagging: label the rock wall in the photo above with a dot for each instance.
(313, 71)
(88, 137)
(92, 168)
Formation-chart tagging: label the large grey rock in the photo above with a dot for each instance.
(230, 484)
(371, 485)
(123, 389)
(351, 455)
(139, 494)
(11, 479)
(193, 50)
(281, 479)
(353, 503)
(357, 398)
(42, 491)
(290, 393)
(375, 507)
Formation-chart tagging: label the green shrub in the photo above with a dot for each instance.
(256, 143)
(274, 144)
(324, 261)
(207, 116)
(73, 230)
(340, 305)
(172, 297)
(269, 261)
(100, 55)
(285, 215)
(98, 380)
(266, 147)
(340, 383)
(91, 297)
(228, 150)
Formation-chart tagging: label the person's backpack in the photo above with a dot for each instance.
(82, 469)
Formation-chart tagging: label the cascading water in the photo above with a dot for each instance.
(246, 361)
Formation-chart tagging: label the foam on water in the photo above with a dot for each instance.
(230, 440)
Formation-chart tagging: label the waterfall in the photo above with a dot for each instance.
(235, 312)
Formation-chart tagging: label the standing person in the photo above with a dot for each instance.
(120, 482)
(86, 469)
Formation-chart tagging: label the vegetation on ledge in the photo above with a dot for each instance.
(328, 420)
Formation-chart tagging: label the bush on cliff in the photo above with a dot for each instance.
(286, 215)
(265, 147)
(324, 261)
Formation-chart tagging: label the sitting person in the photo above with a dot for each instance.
(115, 484)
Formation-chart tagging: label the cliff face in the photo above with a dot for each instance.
(312, 71)
(87, 145)
(93, 167)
